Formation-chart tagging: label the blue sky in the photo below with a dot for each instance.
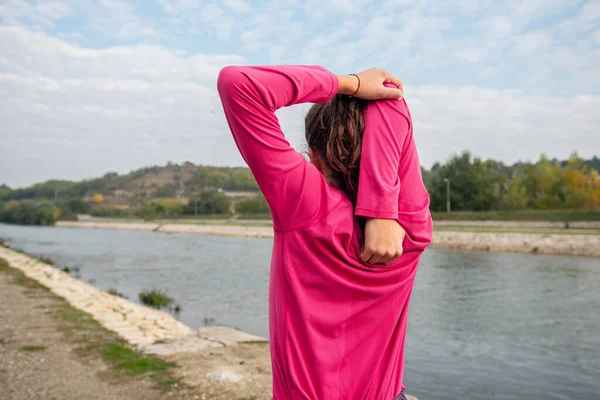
(88, 86)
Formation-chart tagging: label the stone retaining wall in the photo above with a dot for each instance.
(555, 244)
(149, 329)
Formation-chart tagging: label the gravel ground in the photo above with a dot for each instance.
(38, 361)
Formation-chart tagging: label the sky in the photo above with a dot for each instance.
(91, 86)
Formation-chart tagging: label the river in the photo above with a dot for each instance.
(481, 326)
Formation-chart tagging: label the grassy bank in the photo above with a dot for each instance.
(540, 231)
(514, 215)
(92, 340)
(519, 215)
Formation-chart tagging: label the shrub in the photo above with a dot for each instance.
(160, 208)
(113, 212)
(254, 205)
(209, 201)
(29, 212)
(155, 298)
(75, 206)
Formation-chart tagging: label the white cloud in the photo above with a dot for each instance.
(221, 21)
(72, 112)
(177, 6)
(55, 10)
(114, 18)
(109, 105)
(496, 27)
(587, 19)
(238, 6)
(135, 101)
(506, 125)
(533, 42)
(43, 13)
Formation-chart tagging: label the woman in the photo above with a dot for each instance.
(337, 323)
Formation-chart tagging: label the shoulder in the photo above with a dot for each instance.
(393, 109)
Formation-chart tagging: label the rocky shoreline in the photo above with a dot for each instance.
(536, 243)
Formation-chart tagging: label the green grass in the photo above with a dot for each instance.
(45, 260)
(32, 348)
(19, 277)
(507, 215)
(265, 216)
(519, 215)
(541, 231)
(156, 298)
(132, 361)
(115, 292)
(92, 339)
(204, 216)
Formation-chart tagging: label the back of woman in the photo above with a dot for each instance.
(337, 324)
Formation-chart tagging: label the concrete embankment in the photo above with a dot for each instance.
(580, 244)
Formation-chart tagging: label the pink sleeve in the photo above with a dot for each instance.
(387, 125)
(250, 97)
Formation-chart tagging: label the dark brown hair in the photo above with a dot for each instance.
(335, 130)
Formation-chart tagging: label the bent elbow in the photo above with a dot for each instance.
(229, 78)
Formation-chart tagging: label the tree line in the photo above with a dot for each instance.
(478, 185)
(474, 185)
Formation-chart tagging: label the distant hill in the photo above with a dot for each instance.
(169, 181)
(178, 181)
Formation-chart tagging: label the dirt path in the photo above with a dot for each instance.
(39, 361)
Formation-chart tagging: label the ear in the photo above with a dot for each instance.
(315, 159)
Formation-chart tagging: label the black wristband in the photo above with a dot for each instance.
(358, 88)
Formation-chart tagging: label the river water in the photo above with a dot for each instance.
(481, 325)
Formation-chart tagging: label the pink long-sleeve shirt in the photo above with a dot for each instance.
(337, 325)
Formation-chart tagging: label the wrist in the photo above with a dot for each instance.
(348, 84)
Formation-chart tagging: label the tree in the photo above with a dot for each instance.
(255, 205)
(594, 185)
(160, 208)
(209, 201)
(516, 195)
(242, 179)
(575, 183)
(76, 206)
(30, 212)
(98, 198)
(475, 184)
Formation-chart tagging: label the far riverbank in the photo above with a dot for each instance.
(463, 237)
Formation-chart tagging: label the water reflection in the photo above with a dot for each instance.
(482, 325)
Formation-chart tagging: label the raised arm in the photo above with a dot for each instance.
(387, 126)
(250, 97)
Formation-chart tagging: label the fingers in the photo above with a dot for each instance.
(370, 255)
(389, 78)
(394, 258)
(375, 259)
(376, 256)
(366, 254)
(393, 94)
